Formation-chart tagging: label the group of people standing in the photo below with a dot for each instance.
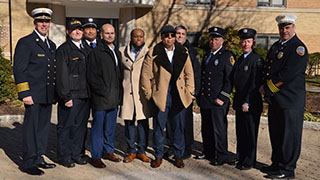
(161, 82)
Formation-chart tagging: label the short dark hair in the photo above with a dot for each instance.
(181, 27)
(131, 34)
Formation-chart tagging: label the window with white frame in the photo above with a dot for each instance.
(272, 3)
(265, 41)
(199, 2)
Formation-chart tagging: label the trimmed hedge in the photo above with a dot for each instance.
(7, 84)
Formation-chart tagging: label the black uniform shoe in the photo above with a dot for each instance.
(80, 160)
(86, 157)
(279, 176)
(68, 163)
(231, 162)
(45, 165)
(215, 162)
(269, 169)
(243, 167)
(33, 171)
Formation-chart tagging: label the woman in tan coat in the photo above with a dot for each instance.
(135, 106)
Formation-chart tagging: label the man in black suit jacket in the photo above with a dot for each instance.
(213, 99)
(105, 81)
(34, 72)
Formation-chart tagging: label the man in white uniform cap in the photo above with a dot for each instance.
(284, 90)
(34, 73)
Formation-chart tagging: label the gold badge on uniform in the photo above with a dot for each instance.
(280, 55)
(232, 61)
(245, 68)
(37, 39)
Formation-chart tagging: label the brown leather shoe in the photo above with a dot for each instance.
(129, 158)
(179, 163)
(111, 157)
(156, 163)
(97, 163)
(143, 157)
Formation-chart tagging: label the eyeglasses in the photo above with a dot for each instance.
(173, 35)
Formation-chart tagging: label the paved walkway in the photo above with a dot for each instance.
(313, 89)
(10, 156)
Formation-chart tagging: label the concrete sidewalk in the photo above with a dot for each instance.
(10, 157)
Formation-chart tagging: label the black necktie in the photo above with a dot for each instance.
(47, 43)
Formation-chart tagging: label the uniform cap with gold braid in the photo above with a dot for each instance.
(286, 19)
(73, 24)
(41, 13)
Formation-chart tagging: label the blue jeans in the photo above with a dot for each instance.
(102, 132)
(175, 111)
(142, 129)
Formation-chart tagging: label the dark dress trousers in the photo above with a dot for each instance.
(88, 47)
(34, 73)
(105, 81)
(196, 65)
(188, 130)
(71, 85)
(215, 83)
(247, 79)
(284, 75)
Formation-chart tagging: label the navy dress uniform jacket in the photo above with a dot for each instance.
(247, 79)
(71, 72)
(34, 69)
(215, 78)
(284, 73)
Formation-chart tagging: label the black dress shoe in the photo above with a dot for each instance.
(231, 162)
(269, 169)
(215, 162)
(86, 157)
(279, 176)
(45, 165)
(68, 163)
(243, 167)
(33, 171)
(80, 160)
(203, 156)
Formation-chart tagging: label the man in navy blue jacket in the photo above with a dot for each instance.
(34, 73)
(284, 90)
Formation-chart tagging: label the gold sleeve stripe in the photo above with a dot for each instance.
(23, 87)
(272, 87)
